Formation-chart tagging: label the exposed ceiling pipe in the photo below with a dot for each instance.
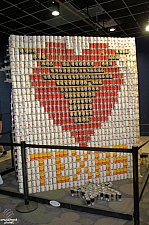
(96, 25)
(76, 14)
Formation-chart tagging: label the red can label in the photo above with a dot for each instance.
(39, 50)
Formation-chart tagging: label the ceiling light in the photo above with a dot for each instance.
(147, 26)
(112, 29)
(55, 8)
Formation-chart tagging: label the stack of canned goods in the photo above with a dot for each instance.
(92, 193)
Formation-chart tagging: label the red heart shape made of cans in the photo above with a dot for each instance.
(77, 110)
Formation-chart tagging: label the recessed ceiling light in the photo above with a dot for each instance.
(112, 29)
(55, 8)
(147, 27)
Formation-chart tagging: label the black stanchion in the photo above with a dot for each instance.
(135, 184)
(136, 215)
(25, 206)
(12, 156)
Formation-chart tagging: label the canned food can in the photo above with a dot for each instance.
(72, 192)
(82, 193)
(101, 196)
(30, 190)
(108, 197)
(42, 188)
(113, 197)
(38, 189)
(118, 196)
(34, 190)
(88, 201)
(76, 193)
(92, 199)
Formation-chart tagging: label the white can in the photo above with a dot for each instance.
(42, 189)
(38, 189)
(34, 190)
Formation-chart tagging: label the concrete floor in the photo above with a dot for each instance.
(145, 148)
(8, 156)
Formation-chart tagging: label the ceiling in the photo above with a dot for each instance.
(77, 17)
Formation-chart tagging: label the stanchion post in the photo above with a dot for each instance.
(26, 206)
(135, 185)
(25, 184)
(12, 157)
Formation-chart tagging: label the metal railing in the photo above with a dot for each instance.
(133, 151)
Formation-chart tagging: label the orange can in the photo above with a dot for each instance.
(62, 166)
(96, 155)
(107, 173)
(74, 177)
(40, 156)
(58, 173)
(107, 154)
(108, 167)
(97, 174)
(81, 164)
(121, 170)
(40, 162)
(78, 170)
(100, 161)
(114, 154)
(66, 178)
(36, 156)
(86, 170)
(42, 182)
(125, 164)
(125, 170)
(118, 159)
(58, 167)
(57, 160)
(115, 172)
(85, 157)
(118, 171)
(77, 158)
(41, 169)
(32, 156)
(44, 155)
(73, 152)
(104, 161)
(41, 175)
(61, 154)
(114, 159)
(62, 179)
(57, 154)
(49, 154)
(65, 153)
(58, 179)
(89, 175)
(96, 162)
(96, 168)
(125, 158)
(89, 152)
